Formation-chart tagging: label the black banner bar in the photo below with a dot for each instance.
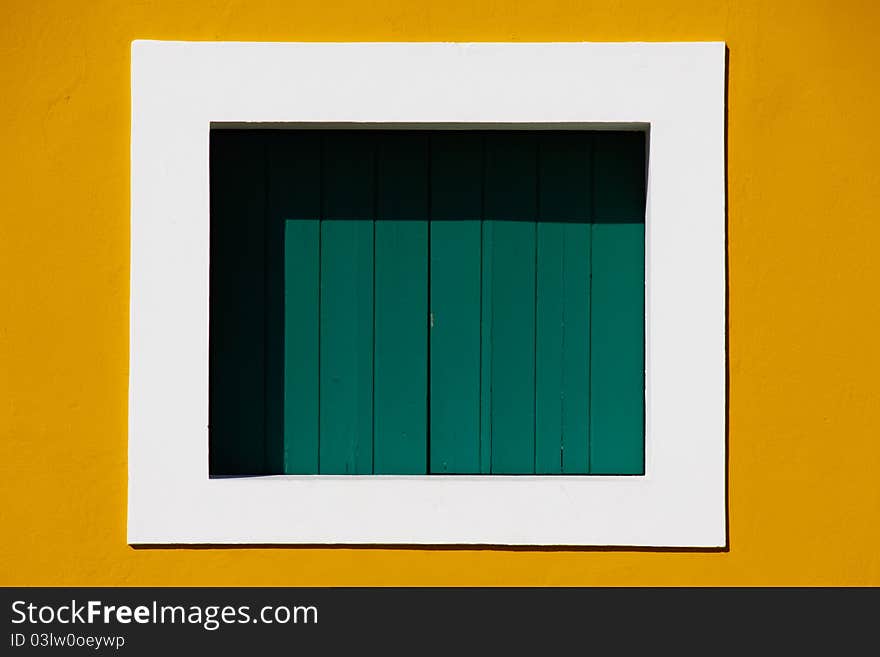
(220, 621)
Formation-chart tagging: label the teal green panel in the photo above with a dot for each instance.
(513, 347)
(562, 356)
(549, 349)
(577, 254)
(292, 266)
(401, 311)
(401, 392)
(617, 349)
(346, 305)
(511, 206)
(237, 297)
(486, 344)
(456, 208)
(301, 340)
(617, 416)
(563, 294)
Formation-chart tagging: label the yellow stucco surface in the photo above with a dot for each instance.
(804, 230)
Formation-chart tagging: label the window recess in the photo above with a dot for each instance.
(427, 302)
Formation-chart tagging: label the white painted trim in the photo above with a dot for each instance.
(179, 89)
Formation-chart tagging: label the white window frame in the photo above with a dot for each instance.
(179, 89)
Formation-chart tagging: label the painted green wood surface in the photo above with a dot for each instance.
(301, 346)
(346, 316)
(456, 212)
(563, 314)
(618, 310)
(237, 359)
(576, 349)
(411, 302)
(487, 239)
(401, 311)
(511, 206)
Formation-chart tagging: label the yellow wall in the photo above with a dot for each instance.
(804, 193)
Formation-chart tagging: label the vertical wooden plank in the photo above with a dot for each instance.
(511, 205)
(487, 239)
(346, 315)
(562, 340)
(456, 210)
(301, 350)
(618, 310)
(292, 264)
(401, 302)
(549, 341)
(236, 313)
(577, 256)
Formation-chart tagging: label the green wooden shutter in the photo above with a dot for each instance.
(412, 302)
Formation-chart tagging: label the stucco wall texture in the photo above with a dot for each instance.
(804, 192)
